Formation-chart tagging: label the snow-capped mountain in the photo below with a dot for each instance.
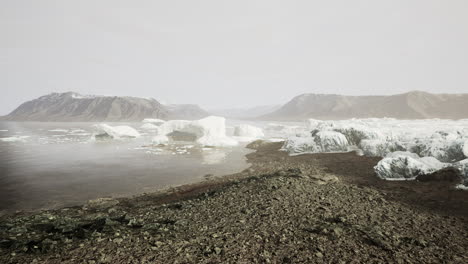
(412, 105)
(71, 106)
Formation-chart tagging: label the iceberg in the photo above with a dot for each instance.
(379, 147)
(444, 140)
(406, 166)
(154, 121)
(115, 132)
(325, 141)
(171, 126)
(209, 131)
(355, 133)
(248, 131)
(312, 124)
(446, 150)
(300, 145)
(410, 147)
(331, 141)
(149, 126)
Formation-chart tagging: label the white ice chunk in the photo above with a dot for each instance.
(443, 149)
(154, 121)
(325, 141)
(116, 132)
(248, 131)
(149, 126)
(406, 166)
(331, 141)
(172, 125)
(209, 131)
(298, 145)
(355, 133)
(313, 123)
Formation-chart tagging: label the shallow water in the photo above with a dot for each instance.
(49, 165)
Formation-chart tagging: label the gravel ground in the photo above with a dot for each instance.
(326, 208)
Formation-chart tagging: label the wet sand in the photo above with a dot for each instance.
(315, 208)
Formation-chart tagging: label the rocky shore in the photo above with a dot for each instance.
(320, 208)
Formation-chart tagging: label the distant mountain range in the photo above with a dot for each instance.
(412, 105)
(245, 113)
(74, 107)
(71, 106)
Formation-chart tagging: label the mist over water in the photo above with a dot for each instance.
(49, 165)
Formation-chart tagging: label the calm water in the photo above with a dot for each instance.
(48, 165)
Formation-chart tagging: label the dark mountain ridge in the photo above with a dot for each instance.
(411, 105)
(74, 107)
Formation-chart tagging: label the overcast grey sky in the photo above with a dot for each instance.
(222, 54)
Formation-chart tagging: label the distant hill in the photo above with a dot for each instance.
(412, 105)
(74, 107)
(185, 111)
(246, 113)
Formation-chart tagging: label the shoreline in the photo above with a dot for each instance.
(304, 204)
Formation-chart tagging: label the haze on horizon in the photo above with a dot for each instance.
(224, 54)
